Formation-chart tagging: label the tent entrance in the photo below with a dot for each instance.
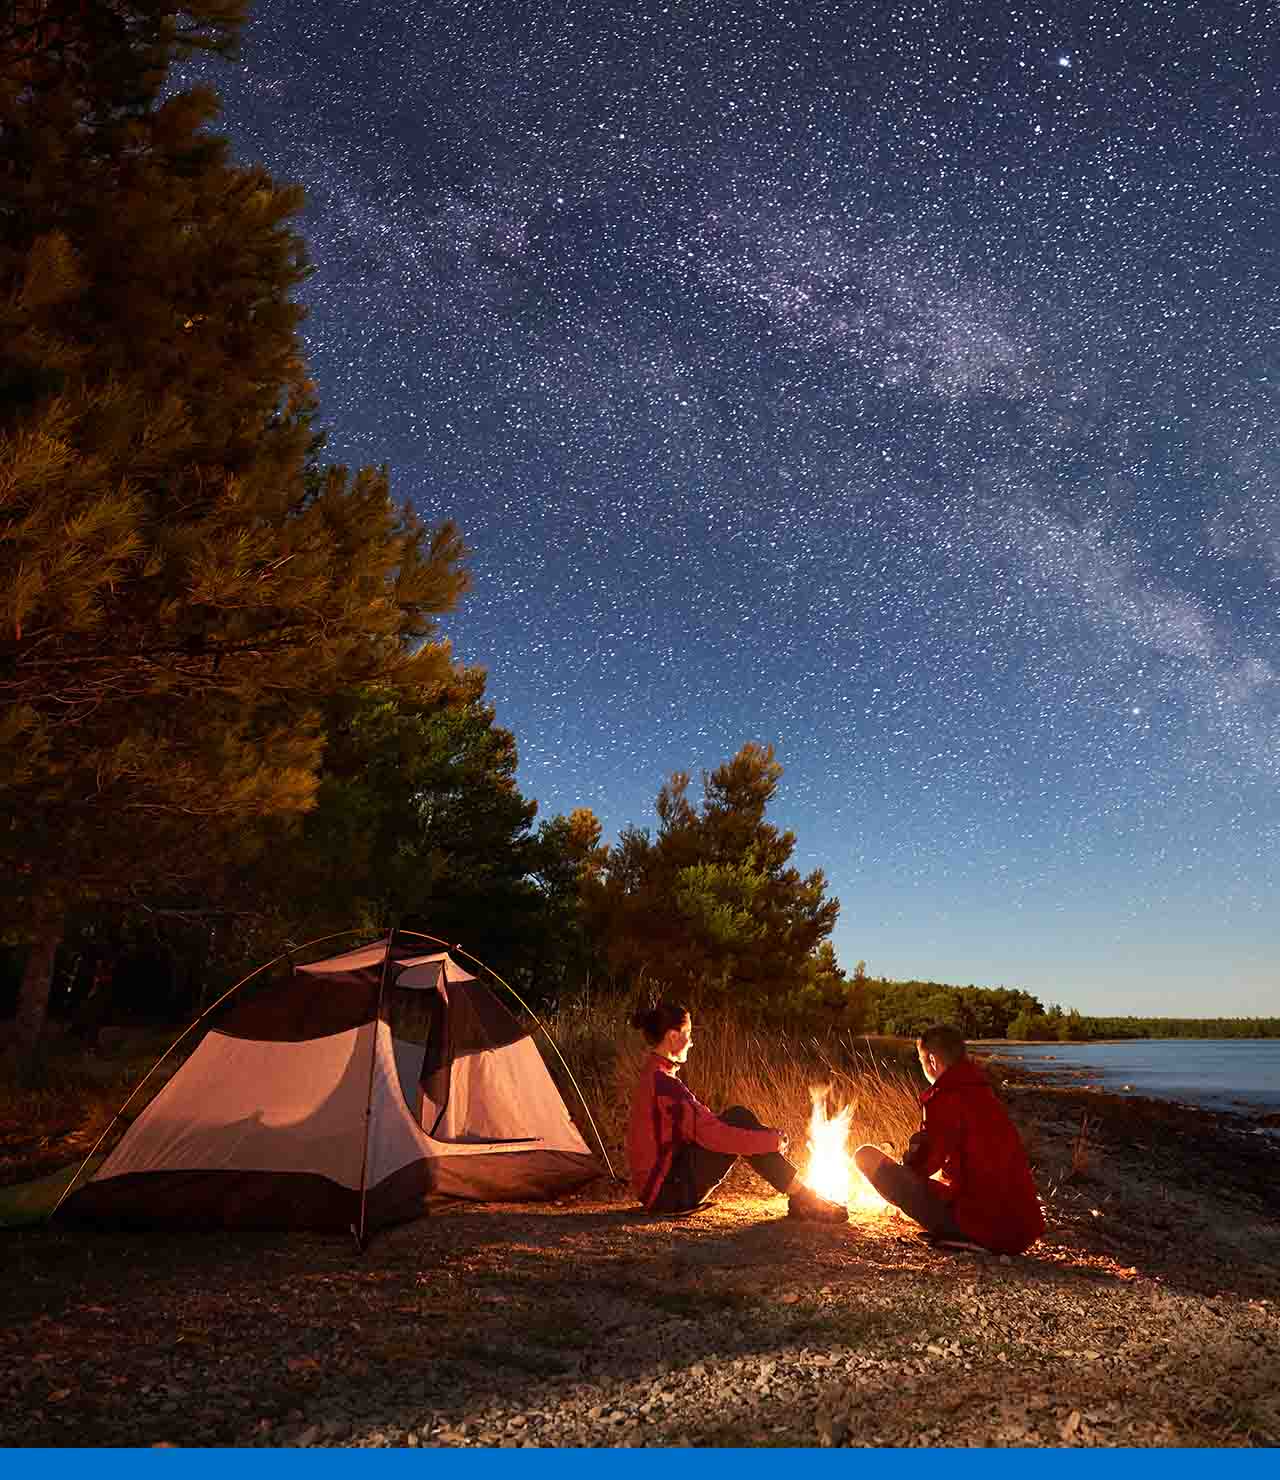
(416, 1019)
(436, 1042)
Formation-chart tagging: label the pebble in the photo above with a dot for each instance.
(772, 1374)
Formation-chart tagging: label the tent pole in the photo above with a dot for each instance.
(244, 981)
(368, 1099)
(462, 952)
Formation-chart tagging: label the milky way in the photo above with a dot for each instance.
(894, 382)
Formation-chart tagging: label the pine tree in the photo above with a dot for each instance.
(418, 821)
(712, 904)
(569, 863)
(179, 587)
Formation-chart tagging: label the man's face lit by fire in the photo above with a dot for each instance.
(929, 1062)
(676, 1045)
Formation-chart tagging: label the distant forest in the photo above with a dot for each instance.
(904, 1008)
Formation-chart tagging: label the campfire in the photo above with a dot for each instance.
(830, 1171)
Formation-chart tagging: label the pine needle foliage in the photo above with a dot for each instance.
(713, 902)
(181, 587)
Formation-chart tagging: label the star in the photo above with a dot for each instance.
(867, 390)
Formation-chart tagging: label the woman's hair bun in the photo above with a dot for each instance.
(657, 1021)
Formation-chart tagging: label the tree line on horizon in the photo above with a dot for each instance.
(228, 718)
(904, 1008)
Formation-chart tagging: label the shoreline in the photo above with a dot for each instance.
(1261, 1118)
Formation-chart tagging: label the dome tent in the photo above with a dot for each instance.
(344, 1095)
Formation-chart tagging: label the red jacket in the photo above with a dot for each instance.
(666, 1116)
(968, 1136)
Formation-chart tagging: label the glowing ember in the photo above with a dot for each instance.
(831, 1172)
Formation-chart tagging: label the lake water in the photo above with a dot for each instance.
(1237, 1074)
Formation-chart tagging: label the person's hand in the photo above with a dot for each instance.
(784, 1143)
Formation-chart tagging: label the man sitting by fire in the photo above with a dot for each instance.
(986, 1198)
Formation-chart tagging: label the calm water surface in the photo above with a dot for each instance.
(1241, 1074)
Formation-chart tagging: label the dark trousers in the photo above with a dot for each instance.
(907, 1190)
(696, 1172)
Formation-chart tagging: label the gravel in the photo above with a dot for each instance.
(1147, 1316)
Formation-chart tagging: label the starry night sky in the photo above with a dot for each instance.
(893, 381)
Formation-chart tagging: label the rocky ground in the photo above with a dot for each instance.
(1149, 1315)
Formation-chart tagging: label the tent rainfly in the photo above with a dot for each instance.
(343, 1096)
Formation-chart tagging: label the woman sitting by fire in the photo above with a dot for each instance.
(680, 1151)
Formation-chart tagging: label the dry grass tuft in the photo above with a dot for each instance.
(1080, 1150)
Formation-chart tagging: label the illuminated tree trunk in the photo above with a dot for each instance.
(33, 997)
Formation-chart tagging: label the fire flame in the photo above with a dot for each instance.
(830, 1170)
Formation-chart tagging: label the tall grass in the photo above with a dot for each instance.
(53, 1108)
(734, 1064)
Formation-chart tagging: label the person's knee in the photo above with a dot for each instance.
(869, 1160)
(743, 1118)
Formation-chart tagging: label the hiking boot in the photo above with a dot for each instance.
(805, 1203)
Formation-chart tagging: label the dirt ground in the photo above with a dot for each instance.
(1147, 1316)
